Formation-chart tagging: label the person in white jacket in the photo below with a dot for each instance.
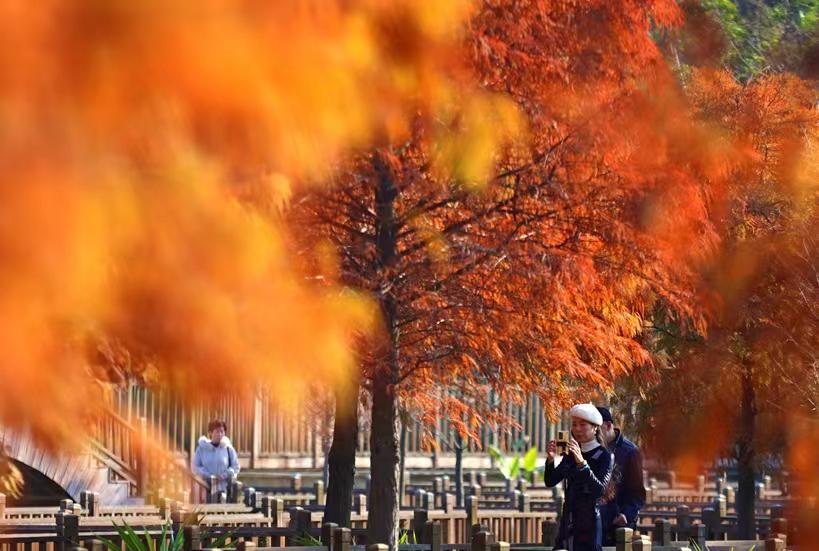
(216, 456)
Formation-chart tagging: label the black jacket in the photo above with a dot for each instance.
(580, 527)
(627, 477)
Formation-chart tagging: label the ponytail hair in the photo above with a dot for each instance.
(611, 488)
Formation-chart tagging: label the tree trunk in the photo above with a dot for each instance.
(341, 459)
(382, 521)
(325, 470)
(402, 489)
(746, 515)
(459, 470)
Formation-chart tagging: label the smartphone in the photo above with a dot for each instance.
(562, 442)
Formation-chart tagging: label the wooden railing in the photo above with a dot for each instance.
(259, 429)
(262, 428)
(712, 519)
(85, 523)
(113, 438)
(145, 458)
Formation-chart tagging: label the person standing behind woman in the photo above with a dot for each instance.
(622, 508)
(587, 470)
(215, 456)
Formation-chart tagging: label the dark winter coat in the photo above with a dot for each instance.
(630, 494)
(580, 528)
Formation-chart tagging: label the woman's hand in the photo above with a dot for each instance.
(551, 451)
(574, 450)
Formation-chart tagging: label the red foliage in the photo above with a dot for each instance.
(539, 280)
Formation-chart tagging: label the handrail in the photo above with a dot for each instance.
(268, 428)
(123, 448)
(112, 413)
(111, 461)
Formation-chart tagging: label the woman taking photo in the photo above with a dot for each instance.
(586, 468)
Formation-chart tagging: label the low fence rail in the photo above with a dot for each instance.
(428, 535)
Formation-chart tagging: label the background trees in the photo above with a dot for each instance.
(765, 36)
(757, 283)
(756, 368)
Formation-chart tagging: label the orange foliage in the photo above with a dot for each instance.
(764, 279)
(137, 139)
(761, 284)
(539, 281)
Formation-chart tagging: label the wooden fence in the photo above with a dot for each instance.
(525, 516)
(276, 526)
(515, 513)
(70, 531)
(261, 429)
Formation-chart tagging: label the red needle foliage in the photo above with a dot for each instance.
(539, 277)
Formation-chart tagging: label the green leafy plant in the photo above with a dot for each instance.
(511, 466)
(530, 460)
(404, 538)
(307, 540)
(168, 540)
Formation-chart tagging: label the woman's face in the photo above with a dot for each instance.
(582, 430)
(217, 434)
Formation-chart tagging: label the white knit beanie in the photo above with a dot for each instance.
(588, 413)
